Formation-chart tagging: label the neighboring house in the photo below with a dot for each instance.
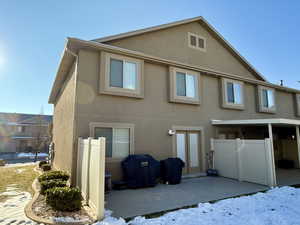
(162, 91)
(19, 132)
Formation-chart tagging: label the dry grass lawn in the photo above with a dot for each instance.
(20, 177)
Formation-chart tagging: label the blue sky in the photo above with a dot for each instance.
(32, 37)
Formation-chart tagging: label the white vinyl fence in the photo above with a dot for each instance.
(245, 160)
(91, 173)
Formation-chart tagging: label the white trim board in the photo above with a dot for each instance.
(256, 121)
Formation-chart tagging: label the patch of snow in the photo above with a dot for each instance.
(68, 219)
(109, 220)
(11, 191)
(20, 170)
(278, 206)
(12, 210)
(19, 164)
(31, 155)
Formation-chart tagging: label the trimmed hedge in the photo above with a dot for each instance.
(42, 163)
(47, 184)
(52, 175)
(46, 167)
(64, 198)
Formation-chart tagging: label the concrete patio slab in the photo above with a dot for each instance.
(131, 203)
(287, 177)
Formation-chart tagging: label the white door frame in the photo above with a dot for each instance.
(298, 142)
(202, 144)
(270, 130)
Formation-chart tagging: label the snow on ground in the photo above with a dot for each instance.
(31, 155)
(278, 206)
(19, 164)
(20, 170)
(12, 210)
(68, 219)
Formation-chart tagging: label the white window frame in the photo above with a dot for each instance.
(197, 36)
(231, 105)
(297, 99)
(261, 106)
(21, 128)
(113, 126)
(104, 86)
(173, 87)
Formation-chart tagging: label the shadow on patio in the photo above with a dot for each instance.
(130, 203)
(287, 177)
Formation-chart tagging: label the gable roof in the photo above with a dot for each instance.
(199, 19)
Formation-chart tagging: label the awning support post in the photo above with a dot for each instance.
(272, 153)
(298, 143)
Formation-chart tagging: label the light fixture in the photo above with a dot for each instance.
(171, 132)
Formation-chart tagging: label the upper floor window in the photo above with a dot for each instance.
(21, 129)
(184, 86)
(118, 138)
(123, 74)
(120, 75)
(197, 41)
(233, 94)
(266, 97)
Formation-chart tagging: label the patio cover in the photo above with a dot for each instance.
(275, 121)
(270, 123)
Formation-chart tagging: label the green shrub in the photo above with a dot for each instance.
(46, 167)
(42, 163)
(64, 198)
(47, 184)
(52, 175)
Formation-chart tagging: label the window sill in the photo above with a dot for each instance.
(269, 111)
(233, 106)
(123, 93)
(185, 101)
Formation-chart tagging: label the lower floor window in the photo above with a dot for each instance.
(117, 141)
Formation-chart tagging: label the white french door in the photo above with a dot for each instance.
(188, 149)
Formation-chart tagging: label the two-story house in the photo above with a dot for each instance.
(19, 132)
(161, 91)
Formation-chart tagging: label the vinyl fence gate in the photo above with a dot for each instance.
(91, 173)
(245, 160)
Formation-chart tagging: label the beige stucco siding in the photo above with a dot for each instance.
(154, 115)
(172, 44)
(63, 124)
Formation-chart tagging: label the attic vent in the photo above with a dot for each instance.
(197, 42)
